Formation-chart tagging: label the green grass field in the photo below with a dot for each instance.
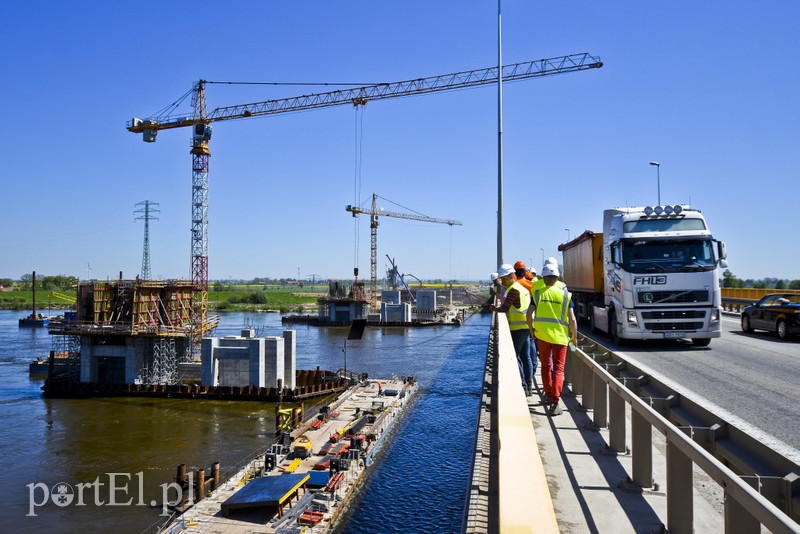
(221, 297)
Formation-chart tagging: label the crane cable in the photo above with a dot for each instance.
(359, 135)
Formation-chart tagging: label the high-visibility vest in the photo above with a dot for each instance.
(541, 286)
(552, 308)
(518, 317)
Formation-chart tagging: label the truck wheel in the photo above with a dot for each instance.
(701, 341)
(612, 328)
(781, 329)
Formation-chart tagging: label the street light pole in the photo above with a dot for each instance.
(542, 255)
(567, 230)
(658, 176)
(499, 136)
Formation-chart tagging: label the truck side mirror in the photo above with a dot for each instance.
(723, 250)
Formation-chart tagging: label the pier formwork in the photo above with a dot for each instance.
(131, 331)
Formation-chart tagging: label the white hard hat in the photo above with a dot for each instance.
(505, 270)
(550, 269)
(493, 276)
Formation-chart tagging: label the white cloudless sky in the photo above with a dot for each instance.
(709, 89)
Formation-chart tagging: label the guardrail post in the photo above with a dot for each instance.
(587, 399)
(737, 517)
(680, 495)
(600, 402)
(641, 450)
(617, 429)
(576, 374)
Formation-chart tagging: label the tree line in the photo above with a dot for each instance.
(730, 280)
(25, 282)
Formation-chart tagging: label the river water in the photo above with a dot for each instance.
(135, 444)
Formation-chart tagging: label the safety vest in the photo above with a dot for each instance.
(552, 307)
(541, 286)
(518, 317)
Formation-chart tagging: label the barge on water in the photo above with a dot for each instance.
(306, 484)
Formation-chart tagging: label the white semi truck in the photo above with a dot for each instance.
(652, 274)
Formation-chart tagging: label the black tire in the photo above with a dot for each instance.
(781, 329)
(746, 324)
(701, 341)
(612, 328)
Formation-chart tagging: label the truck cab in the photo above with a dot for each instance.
(660, 275)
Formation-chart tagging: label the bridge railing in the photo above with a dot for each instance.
(694, 437)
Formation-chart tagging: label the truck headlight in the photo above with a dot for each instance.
(715, 316)
(632, 320)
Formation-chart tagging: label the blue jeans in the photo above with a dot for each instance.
(522, 348)
(534, 356)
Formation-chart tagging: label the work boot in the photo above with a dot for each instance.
(554, 408)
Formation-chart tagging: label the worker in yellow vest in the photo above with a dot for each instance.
(526, 278)
(515, 305)
(551, 321)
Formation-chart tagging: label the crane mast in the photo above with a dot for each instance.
(201, 119)
(373, 234)
(200, 154)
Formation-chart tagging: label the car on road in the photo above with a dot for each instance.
(778, 312)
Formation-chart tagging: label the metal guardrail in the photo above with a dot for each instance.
(752, 294)
(695, 437)
(734, 299)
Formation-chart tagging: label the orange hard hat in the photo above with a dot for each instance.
(528, 275)
(519, 265)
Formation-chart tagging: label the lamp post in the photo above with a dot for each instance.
(658, 176)
(542, 255)
(499, 135)
(567, 230)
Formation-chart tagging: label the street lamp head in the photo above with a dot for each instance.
(657, 164)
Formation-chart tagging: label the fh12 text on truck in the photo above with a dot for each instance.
(652, 274)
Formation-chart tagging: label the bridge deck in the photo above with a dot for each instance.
(588, 484)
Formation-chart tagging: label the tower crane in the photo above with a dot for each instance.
(200, 121)
(374, 213)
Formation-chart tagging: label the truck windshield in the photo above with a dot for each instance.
(667, 255)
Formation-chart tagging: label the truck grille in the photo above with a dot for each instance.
(677, 327)
(674, 314)
(671, 297)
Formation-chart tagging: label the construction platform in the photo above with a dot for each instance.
(307, 481)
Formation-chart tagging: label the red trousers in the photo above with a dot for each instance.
(552, 359)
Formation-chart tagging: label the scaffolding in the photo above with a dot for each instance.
(164, 366)
(153, 318)
(66, 356)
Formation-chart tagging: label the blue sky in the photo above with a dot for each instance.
(709, 89)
